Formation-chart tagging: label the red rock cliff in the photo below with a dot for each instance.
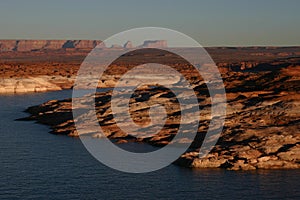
(35, 45)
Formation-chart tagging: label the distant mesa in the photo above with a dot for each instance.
(148, 44)
(116, 46)
(155, 44)
(36, 45)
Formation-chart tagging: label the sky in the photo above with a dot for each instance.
(209, 22)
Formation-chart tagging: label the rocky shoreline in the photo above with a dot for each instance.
(261, 126)
(262, 85)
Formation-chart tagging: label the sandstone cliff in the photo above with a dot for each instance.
(35, 45)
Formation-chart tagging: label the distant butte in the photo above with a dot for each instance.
(148, 44)
(155, 44)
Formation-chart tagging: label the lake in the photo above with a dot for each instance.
(39, 165)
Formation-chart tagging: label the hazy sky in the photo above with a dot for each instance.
(210, 22)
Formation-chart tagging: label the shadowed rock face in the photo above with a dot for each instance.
(262, 123)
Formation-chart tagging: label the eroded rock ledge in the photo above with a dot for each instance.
(261, 127)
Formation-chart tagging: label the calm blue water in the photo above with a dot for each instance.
(38, 165)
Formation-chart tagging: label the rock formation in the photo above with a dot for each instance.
(26, 85)
(37, 45)
(55, 44)
(30, 45)
(261, 128)
(260, 132)
(8, 45)
(116, 46)
(86, 44)
(60, 65)
(155, 44)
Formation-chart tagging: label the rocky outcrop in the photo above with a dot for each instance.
(85, 44)
(261, 126)
(116, 46)
(37, 45)
(34, 84)
(258, 137)
(25, 85)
